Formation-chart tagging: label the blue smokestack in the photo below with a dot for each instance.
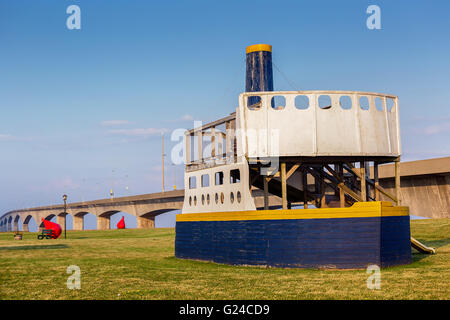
(259, 75)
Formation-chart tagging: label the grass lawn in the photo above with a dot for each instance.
(140, 264)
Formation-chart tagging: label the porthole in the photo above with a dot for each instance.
(190, 201)
(203, 199)
(195, 200)
(364, 103)
(217, 198)
(238, 196)
(254, 102)
(208, 200)
(345, 102)
(278, 102)
(232, 197)
(222, 198)
(324, 102)
(302, 102)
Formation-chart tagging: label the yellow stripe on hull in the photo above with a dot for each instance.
(358, 210)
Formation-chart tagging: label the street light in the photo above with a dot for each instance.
(65, 215)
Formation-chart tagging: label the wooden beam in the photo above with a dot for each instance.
(341, 190)
(266, 193)
(378, 187)
(362, 170)
(283, 185)
(323, 202)
(292, 170)
(376, 181)
(334, 185)
(230, 118)
(276, 175)
(349, 191)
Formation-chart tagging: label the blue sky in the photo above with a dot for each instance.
(82, 110)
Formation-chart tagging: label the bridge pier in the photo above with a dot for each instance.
(103, 223)
(78, 223)
(15, 226)
(25, 227)
(145, 223)
(60, 220)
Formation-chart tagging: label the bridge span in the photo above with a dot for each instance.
(145, 207)
(425, 188)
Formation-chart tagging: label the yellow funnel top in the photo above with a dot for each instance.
(259, 47)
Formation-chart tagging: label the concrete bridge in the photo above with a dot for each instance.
(425, 188)
(145, 207)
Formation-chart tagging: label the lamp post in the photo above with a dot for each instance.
(65, 215)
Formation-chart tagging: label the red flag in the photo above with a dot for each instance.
(121, 223)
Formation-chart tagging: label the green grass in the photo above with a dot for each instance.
(140, 264)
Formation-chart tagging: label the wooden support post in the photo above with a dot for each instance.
(283, 185)
(323, 202)
(336, 192)
(362, 169)
(266, 193)
(341, 190)
(368, 185)
(376, 181)
(397, 181)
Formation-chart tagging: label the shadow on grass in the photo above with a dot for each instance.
(435, 243)
(36, 247)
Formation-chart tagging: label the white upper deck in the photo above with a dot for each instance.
(318, 123)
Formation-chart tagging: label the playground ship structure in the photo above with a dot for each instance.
(284, 149)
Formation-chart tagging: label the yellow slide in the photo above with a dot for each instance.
(421, 247)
